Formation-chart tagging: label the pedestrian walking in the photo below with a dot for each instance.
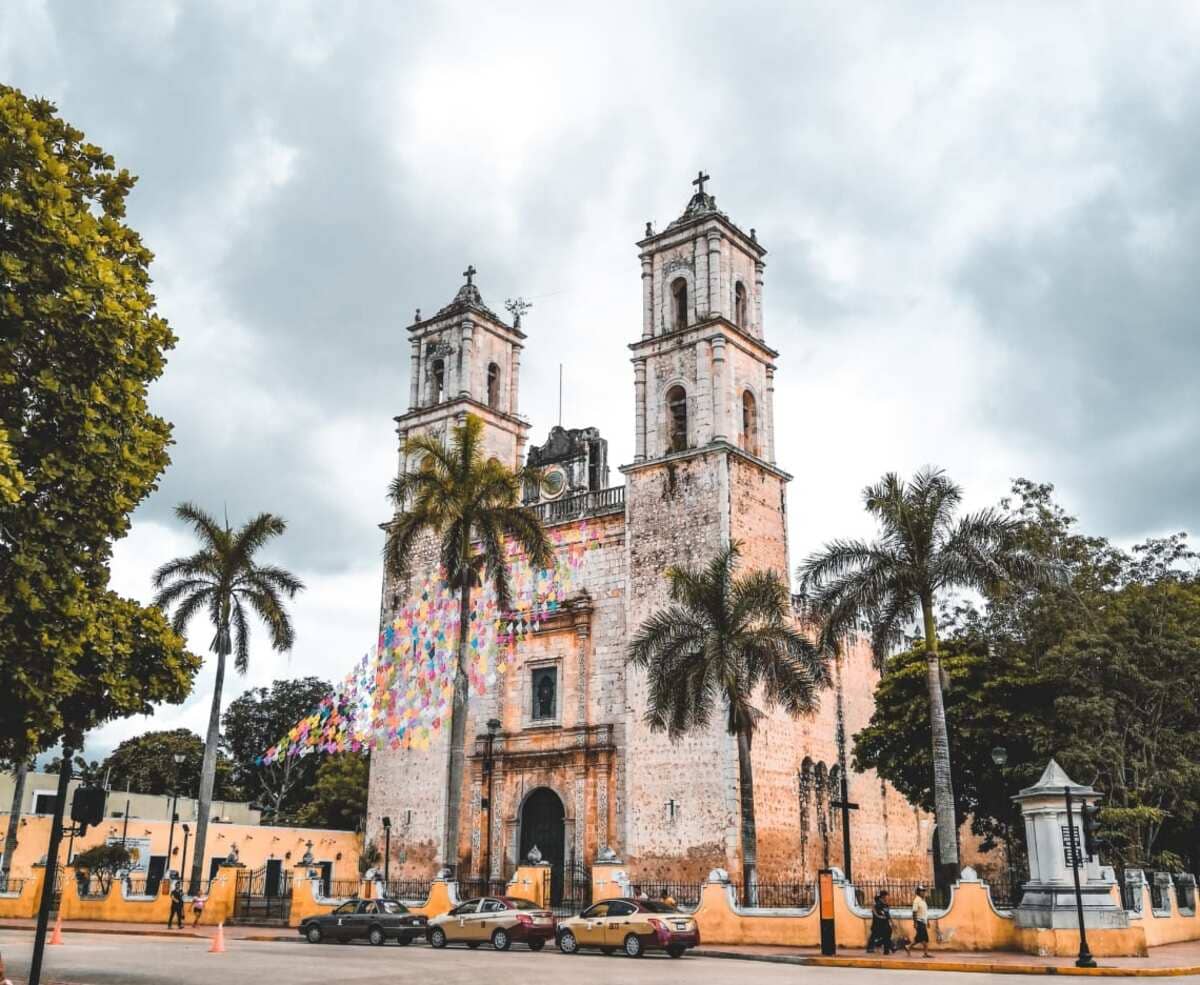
(198, 907)
(176, 907)
(881, 924)
(920, 912)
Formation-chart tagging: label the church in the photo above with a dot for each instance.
(558, 752)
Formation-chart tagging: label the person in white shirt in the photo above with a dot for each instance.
(920, 912)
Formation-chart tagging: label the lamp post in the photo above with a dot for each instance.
(493, 727)
(387, 850)
(1085, 959)
(178, 757)
(183, 864)
(1000, 758)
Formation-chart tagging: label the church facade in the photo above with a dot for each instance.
(559, 754)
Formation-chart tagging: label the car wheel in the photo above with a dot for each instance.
(376, 936)
(472, 944)
(437, 938)
(568, 944)
(677, 951)
(313, 934)
(500, 939)
(633, 946)
(608, 950)
(537, 944)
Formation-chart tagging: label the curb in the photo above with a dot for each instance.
(937, 964)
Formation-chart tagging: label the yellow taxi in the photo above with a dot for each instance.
(630, 925)
(499, 920)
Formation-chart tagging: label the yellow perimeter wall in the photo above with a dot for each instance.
(256, 844)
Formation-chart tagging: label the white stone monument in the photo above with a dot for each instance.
(1049, 897)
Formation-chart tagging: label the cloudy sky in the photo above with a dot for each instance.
(984, 235)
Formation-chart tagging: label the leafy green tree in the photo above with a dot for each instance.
(103, 862)
(1097, 670)
(724, 642)
(339, 793)
(470, 505)
(88, 773)
(254, 722)
(146, 764)
(224, 579)
(80, 343)
(923, 551)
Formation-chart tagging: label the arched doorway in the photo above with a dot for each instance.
(542, 824)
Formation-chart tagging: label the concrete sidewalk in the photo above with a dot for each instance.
(1168, 961)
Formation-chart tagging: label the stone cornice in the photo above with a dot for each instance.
(713, 447)
(698, 330)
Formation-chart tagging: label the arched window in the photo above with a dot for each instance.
(679, 294)
(677, 418)
(739, 305)
(749, 423)
(437, 381)
(493, 383)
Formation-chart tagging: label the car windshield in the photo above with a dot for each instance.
(470, 906)
(520, 904)
(653, 906)
(391, 906)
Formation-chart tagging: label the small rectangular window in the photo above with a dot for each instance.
(545, 693)
(45, 803)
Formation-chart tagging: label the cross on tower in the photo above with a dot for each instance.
(701, 178)
(469, 273)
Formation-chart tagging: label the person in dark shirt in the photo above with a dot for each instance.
(881, 925)
(176, 907)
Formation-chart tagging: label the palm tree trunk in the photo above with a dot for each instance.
(14, 819)
(749, 832)
(943, 785)
(458, 731)
(208, 768)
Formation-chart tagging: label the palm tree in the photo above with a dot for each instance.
(224, 580)
(472, 506)
(922, 551)
(722, 638)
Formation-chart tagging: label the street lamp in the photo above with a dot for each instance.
(183, 864)
(178, 757)
(493, 728)
(1085, 959)
(387, 850)
(999, 755)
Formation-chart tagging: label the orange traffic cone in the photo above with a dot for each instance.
(218, 943)
(56, 933)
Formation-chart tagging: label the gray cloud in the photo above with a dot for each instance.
(982, 225)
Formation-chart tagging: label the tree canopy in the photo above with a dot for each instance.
(146, 764)
(80, 343)
(1099, 671)
(338, 798)
(252, 723)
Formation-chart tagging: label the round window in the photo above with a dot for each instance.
(553, 483)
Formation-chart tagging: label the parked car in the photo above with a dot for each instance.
(502, 920)
(630, 925)
(374, 920)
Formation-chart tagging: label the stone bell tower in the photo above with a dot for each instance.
(466, 360)
(703, 475)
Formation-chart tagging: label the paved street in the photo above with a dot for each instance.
(100, 959)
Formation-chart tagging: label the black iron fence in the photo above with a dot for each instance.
(340, 888)
(411, 889)
(1158, 895)
(471, 888)
(791, 895)
(685, 894)
(900, 892)
(10, 885)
